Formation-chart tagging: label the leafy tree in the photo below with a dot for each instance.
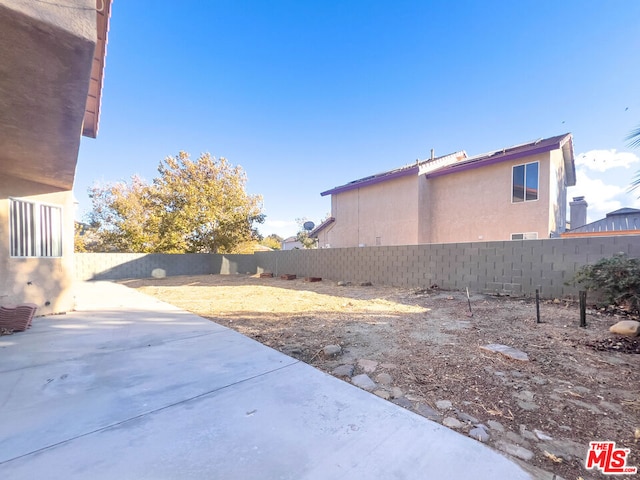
(303, 235)
(272, 241)
(192, 206)
(79, 241)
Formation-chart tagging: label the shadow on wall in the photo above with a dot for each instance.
(117, 266)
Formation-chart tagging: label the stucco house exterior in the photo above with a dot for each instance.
(513, 193)
(51, 67)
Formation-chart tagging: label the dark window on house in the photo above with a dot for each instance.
(524, 236)
(35, 229)
(525, 182)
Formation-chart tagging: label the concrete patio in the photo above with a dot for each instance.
(128, 387)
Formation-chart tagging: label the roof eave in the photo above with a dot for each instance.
(503, 158)
(94, 96)
(372, 181)
(313, 233)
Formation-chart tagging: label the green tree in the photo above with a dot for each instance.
(192, 206)
(303, 235)
(272, 241)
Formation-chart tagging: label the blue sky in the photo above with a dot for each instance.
(308, 95)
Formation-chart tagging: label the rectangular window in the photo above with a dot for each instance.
(35, 229)
(524, 236)
(525, 182)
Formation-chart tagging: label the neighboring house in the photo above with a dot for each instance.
(291, 243)
(624, 221)
(51, 66)
(513, 193)
(321, 232)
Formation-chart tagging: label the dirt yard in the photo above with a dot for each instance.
(421, 350)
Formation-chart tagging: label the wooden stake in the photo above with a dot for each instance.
(537, 306)
(583, 308)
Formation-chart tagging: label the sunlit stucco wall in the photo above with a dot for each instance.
(381, 214)
(476, 204)
(47, 282)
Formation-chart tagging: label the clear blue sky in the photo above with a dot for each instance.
(308, 95)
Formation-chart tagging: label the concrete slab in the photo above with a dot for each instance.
(171, 395)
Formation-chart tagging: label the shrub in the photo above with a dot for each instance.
(616, 280)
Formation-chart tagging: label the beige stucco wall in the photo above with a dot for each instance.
(557, 194)
(36, 280)
(387, 211)
(475, 205)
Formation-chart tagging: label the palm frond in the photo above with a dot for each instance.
(634, 138)
(635, 183)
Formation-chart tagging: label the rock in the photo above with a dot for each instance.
(497, 426)
(343, 371)
(507, 351)
(343, 284)
(479, 434)
(443, 404)
(414, 398)
(396, 392)
(403, 402)
(363, 381)
(384, 379)
(515, 438)
(366, 284)
(332, 350)
(466, 417)
(528, 406)
(514, 450)
(382, 394)
(524, 395)
(427, 411)
(567, 449)
(452, 422)
(592, 408)
(630, 328)
(541, 435)
(527, 434)
(367, 365)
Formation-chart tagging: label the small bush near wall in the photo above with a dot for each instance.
(615, 279)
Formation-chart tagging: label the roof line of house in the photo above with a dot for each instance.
(441, 166)
(411, 169)
(521, 151)
(373, 179)
(313, 233)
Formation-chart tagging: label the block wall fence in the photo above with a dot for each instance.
(509, 267)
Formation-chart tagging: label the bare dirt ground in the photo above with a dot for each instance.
(422, 350)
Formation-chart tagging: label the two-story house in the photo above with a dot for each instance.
(513, 193)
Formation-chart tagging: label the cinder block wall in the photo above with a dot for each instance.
(513, 267)
(115, 266)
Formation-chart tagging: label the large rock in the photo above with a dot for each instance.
(363, 381)
(368, 366)
(630, 328)
(507, 351)
(332, 350)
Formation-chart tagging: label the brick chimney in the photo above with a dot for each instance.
(577, 212)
